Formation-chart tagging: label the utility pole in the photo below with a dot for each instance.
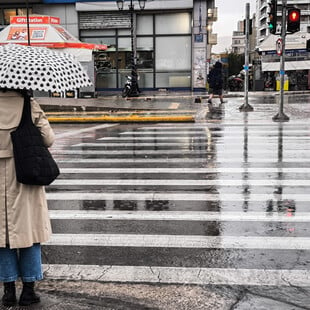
(246, 107)
(281, 117)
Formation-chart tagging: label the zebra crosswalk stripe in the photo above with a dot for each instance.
(184, 170)
(178, 160)
(185, 196)
(181, 241)
(177, 182)
(179, 216)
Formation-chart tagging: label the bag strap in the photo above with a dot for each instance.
(26, 116)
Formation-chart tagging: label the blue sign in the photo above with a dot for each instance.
(296, 52)
(199, 37)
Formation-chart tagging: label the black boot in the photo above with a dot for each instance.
(9, 297)
(28, 296)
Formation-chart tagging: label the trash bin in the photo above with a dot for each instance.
(258, 85)
(286, 82)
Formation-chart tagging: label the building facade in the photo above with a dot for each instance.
(172, 39)
(262, 16)
(238, 39)
(297, 58)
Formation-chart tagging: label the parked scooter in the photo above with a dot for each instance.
(236, 83)
(127, 88)
(131, 88)
(269, 83)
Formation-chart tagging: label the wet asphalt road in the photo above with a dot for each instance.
(223, 201)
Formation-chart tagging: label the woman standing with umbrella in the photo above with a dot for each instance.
(24, 220)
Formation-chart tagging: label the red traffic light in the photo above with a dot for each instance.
(293, 20)
(294, 15)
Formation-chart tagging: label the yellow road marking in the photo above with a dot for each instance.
(130, 118)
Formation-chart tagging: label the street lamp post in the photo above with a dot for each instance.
(28, 28)
(134, 91)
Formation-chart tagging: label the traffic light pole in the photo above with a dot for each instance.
(281, 117)
(246, 107)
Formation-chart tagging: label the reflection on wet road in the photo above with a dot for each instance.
(224, 201)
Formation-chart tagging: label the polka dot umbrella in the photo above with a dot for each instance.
(39, 68)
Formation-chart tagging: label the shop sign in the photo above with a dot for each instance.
(35, 20)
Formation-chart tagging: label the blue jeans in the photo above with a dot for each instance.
(24, 263)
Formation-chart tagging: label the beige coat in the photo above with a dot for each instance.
(24, 216)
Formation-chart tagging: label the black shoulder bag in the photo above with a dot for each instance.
(34, 163)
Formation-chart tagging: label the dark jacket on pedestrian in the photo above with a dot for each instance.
(215, 77)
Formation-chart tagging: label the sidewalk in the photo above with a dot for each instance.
(76, 295)
(149, 107)
(86, 295)
(146, 108)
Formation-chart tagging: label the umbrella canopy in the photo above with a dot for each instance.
(38, 68)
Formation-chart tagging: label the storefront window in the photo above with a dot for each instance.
(106, 41)
(124, 44)
(173, 79)
(144, 24)
(170, 41)
(173, 23)
(23, 11)
(145, 59)
(7, 14)
(173, 53)
(124, 32)
(173, 61)
(145, 43)
(105, 64)
(105, 61)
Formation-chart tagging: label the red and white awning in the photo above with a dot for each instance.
(44, 31)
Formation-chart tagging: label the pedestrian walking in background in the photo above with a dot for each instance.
(24, 220)
(215, 80)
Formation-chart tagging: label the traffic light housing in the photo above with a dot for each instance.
(272, 24)
(250, 26)
(293, 20)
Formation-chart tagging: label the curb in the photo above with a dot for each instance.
(130, 118)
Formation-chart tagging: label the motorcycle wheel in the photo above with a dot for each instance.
(126, 91)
